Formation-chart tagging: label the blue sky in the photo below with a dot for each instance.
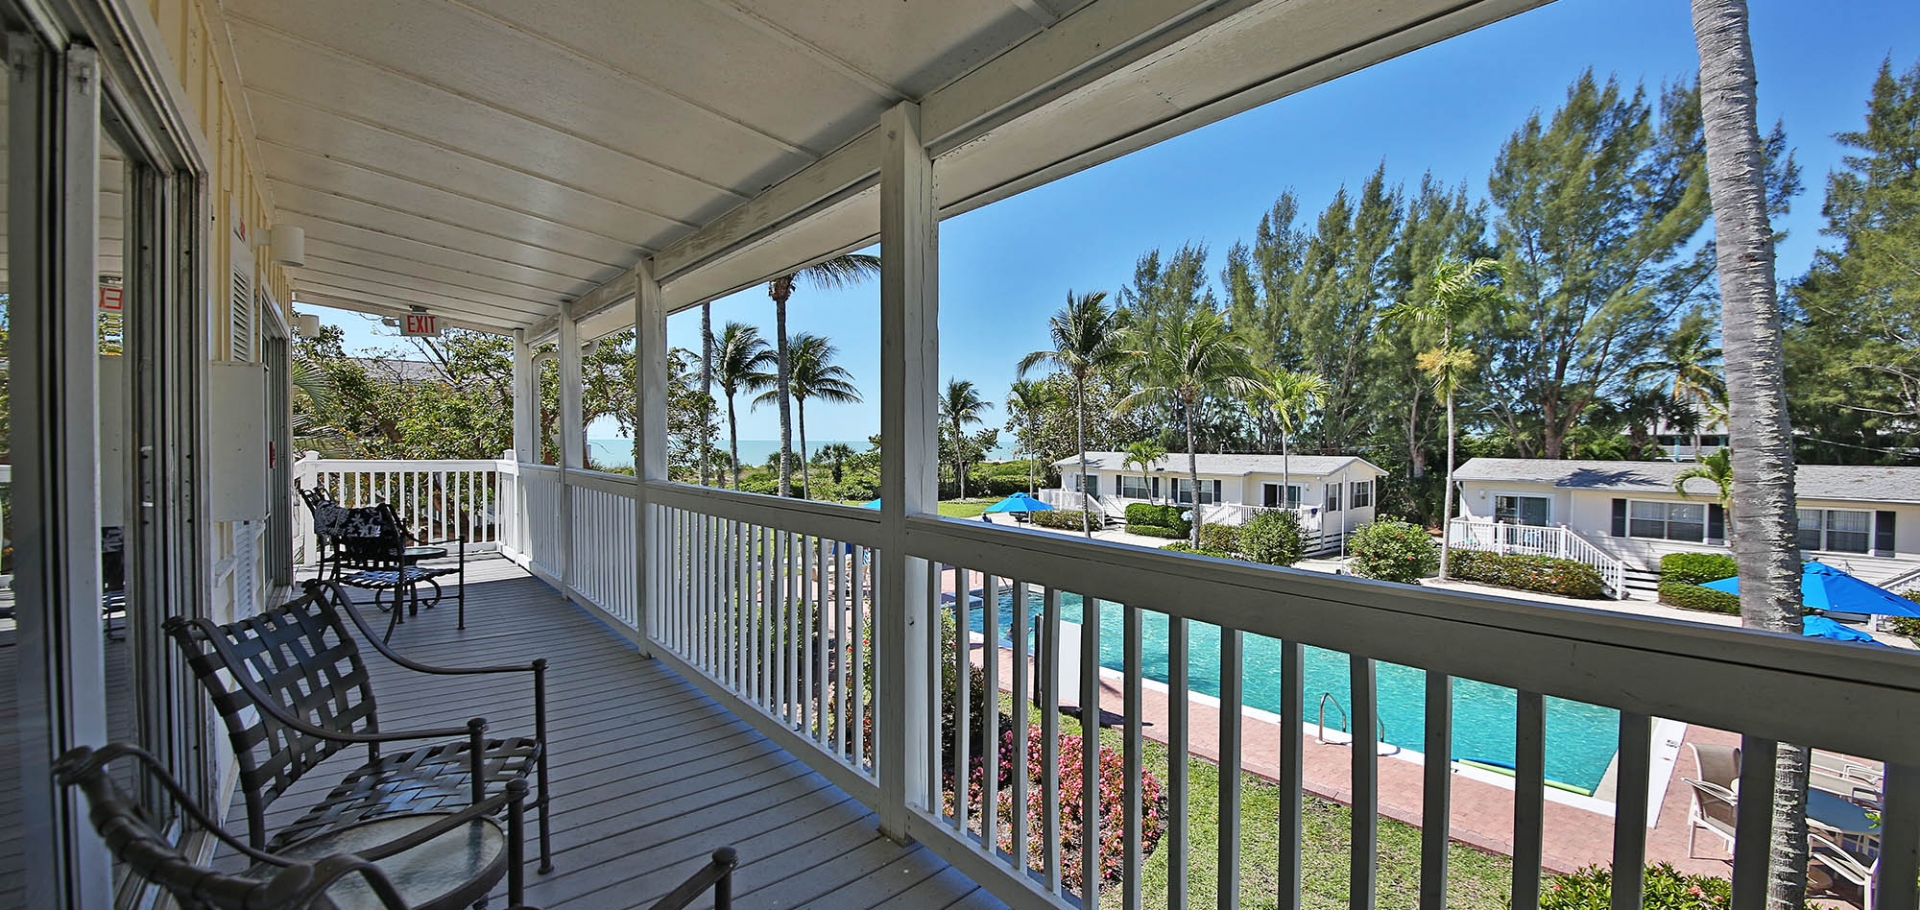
(1005, 268)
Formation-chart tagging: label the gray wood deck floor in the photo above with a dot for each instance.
(650, 775)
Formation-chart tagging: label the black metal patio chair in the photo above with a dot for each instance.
(434, 861)
(292, 689)
(370, 547)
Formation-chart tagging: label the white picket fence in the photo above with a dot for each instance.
(1539, 540)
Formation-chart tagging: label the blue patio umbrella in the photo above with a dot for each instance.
(1824, 587)
(1822, 627)
(874, 505)
(1019, 502)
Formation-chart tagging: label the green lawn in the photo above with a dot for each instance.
(1475, 880)
(965, 508)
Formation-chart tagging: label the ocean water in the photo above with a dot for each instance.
(619, 451)
(1581, 739)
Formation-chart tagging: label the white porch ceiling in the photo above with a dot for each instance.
(491, 159)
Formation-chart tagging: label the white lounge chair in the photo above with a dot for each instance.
(1714, 806)
(1846, 865)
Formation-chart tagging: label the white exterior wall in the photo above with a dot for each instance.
(1589, 513)
(1248, 490)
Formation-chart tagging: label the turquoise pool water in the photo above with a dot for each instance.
(1580, 738)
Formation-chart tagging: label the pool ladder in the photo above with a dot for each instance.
(1344, 722)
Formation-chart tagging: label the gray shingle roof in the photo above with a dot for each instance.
(1225, 465)
(1814, 481)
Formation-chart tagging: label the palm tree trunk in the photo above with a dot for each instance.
(706, 389)
(1080, 440)
(733, 439)
(1193, 476)
(1764, 544)
(1446, 494)
(1033, 459)
(1286, 471)
(786, 401)
(806, 488)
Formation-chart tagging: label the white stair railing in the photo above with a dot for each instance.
(1557, 541)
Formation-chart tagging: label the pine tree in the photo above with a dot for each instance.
(1854, 352)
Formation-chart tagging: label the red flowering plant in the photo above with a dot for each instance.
(1112, 806)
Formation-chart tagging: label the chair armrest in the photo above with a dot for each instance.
(716, 874)
(1714, 790)
(85, 767)
(345, 603)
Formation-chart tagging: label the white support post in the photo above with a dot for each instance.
(526, 432)
(649, 439)
(909, 377)
(572, 439)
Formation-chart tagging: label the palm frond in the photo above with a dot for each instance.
(841, 271)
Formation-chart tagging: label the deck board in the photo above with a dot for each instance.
(651, 775)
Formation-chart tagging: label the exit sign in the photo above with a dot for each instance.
(419, 325)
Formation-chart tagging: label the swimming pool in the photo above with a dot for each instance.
(1580, 738)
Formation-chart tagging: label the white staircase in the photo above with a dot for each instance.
(1539, 540)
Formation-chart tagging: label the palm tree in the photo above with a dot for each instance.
(1027, 400)
(1455, 290)
(706, 386)
(1142, 454)
(813, 374)
(1689, 357)
(1085, 337)
(833, 274)
(1291, 395)
(1181, 364)
(740, 362)
(315, 396)
(1765, 546)
(835, 454)
(961, 407)
(1717, 469)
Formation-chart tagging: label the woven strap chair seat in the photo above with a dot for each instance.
(388, 579)
(431, 779)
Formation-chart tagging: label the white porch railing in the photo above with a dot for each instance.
(1539, 540)
(771, 607)
(437, 500)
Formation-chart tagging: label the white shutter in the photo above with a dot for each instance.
(240, 303)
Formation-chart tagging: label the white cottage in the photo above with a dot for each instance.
(1338, 491)
(1864, 519)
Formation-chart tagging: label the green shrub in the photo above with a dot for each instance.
(1696, 568)
(1184, 547)
(1273, 537)
(1694, 597)
(1906, 625)
(1068, 519)
(1393, 551)
(1142, 514)
(1546, 574)
(1157, 531)
(1220, 537)
(1667, 888)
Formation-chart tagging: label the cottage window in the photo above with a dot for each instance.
(1135, 486)
(1362, 494)
(1685, 521)
(1183, 491)
(1836, 530)
(1333, 497)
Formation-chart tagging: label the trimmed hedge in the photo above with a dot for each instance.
(1694, 597)
(1696, 568)
(1220, 537)
(1147, 515)
(1184, 547)
(1546, 574)
(1157, 531)
(1394, 551)
(1068, 519)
